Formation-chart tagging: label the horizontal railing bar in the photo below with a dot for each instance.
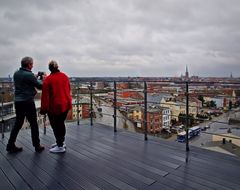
(232, 137)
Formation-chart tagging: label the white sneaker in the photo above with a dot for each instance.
(55, 144)
(57, 149)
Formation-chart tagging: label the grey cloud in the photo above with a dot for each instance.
(122, 38)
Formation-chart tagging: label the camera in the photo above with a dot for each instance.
(40, 75)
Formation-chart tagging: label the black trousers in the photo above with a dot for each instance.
(58, 126)
(25, 109)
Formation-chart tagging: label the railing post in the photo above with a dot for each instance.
(187, 117)
(78, 119)
(91, 103)
(44, 124)
(115, 106)
(2, 122)
(145, 111)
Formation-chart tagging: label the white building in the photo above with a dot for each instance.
(166, 117)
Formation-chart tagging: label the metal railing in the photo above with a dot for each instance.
(143, 102)
(185, 86)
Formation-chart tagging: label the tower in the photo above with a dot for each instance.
(186, 73)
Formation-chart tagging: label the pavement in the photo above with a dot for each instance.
(230, 132)
(226, 147)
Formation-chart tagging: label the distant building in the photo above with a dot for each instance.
(154, 118)
(99, 85)
(6, 108)
(179, 106)
(126, 98)
(137, 114)
(122, 85)
(166, 117)
(82, 108)
(8, 116)
(157, 118)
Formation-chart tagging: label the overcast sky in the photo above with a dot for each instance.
(122, 37)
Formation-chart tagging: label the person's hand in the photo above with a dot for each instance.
(44, 76)
(41, 75)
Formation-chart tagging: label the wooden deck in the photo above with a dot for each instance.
(96, 158)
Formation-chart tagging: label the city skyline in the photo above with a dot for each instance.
(117, 38)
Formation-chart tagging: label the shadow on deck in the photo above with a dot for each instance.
(96, 158)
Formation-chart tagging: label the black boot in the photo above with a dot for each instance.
(39, 148)
(13, 148)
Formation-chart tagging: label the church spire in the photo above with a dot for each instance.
(186, 73)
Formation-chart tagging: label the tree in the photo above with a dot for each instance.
(211, 104)
(182, 118)
(201, 98)
(230, 105)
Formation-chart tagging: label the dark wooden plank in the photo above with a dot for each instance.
(101, 169)
(30, 178)
(67, 179)
(186, 182)
(202, 178)
(158, 186)
(133, 159)
(207, 160)
(101, 159)
(114, 162)
(71, 159)
(70, 176)
(217, 156)
(26, 159)
(126, 174)
(11, 173)
(46, 178)
(132, 143)
(210, 174)
(5, 184)
(205, 153)
(144, 152)
(97, 180)
(96, 158)
(212, 162)
(137, 172)
(173, 184)
(176, 146)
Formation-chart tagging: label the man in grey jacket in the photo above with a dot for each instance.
(25, 83)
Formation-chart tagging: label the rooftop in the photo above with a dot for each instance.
(98, 158)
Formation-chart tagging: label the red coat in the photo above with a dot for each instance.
(56, 98)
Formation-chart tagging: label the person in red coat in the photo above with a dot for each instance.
(56, 102)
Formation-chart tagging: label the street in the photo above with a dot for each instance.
(219, 127)
(106, 117)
